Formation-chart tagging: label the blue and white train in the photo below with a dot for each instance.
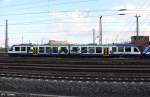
(112, 50)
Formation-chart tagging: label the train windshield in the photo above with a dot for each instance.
(11, 49)
(136, 50)
(146, 50)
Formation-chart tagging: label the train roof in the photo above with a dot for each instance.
(103, 45)
(125, 45)
(22, 45)
(75, 45)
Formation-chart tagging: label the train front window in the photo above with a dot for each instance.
(83, 49)
(98, 49)
(148, 50)
(17, 48)
(136, 50)
(55, 49)
(41, 49)
(23, 48)
(91, 50)
(63, 49)
(120, 49)
(128, 49)
(48, 50)
(75, 49)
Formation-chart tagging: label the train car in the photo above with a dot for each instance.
(126, 50)
(38, 50)
(112, 50)
(21, 50)
(50, 50)
(146, 52)
(109, 50)
(90, 50)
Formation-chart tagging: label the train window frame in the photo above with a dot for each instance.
(17, 48)
(48, 50)
(75, 51)
(91, 48)
(41, 51)
(127, 49)
(54, 49)
(114, 49)
(22, 48)
(135, 49)
(84, 51)
(66, 50)
(100, 50)
(120, 49)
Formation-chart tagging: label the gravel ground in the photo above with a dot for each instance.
(79, 88)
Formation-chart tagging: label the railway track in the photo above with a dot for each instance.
(82, 68)
(81, 61)
(81, 72)
(39, 76)
(17, 94)
(14, 67)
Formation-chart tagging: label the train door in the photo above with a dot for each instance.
(35, 50)
(105, 51)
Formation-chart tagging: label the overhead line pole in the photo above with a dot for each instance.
(6, 37)
(100, 32)
(93, 36)
(137, 25)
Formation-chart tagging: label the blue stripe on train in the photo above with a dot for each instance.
(96, 55)
(113, 55)
(146, 55)
(20, 54)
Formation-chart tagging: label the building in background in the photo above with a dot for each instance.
(56, 42)
(140, 41)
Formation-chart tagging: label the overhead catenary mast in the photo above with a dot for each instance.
(93, 36)
(137, 25)
(100, 31)
(6, 37)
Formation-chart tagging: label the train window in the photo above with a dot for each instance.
(17, 48)
(136, 50)
(91, 49)
(127, 49)
(63, 50)
(28, 48)
(23, 48)
(114, 49)
(83, 49)
(55, 49)
(75, 49)
(48, 50)
(41, 49)
(98, 49)
(120, 49)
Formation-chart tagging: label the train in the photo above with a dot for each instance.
(82, 50)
